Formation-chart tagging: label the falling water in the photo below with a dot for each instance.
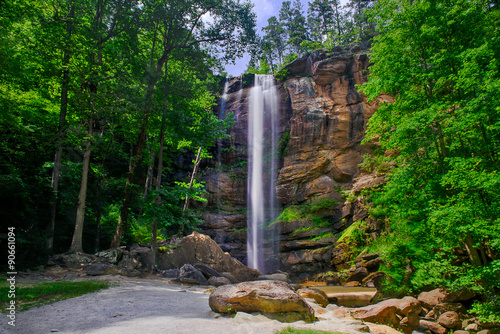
(222, 115)
(263, 128)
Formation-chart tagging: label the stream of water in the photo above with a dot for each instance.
(263, 131)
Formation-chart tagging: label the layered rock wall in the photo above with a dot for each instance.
(323, 118)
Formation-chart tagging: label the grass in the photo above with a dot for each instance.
(290, 330)
(28, 295)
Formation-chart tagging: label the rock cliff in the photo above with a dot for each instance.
(323, 118)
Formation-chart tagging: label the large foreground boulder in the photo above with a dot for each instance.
(198, 249)
(398, 313)
(275, 299)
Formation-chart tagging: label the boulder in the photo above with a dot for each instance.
(374, 280)
(432, 326)
(98, 269)
(198, 248)
(445, 307)
(399, 313)
(112, 256)
(191, 275)
(373, 264)
(170, 273)
(319, 296)
(206, 270)
(218, 281)
(357, 274)
(472, 327)
(450, 320)
(230, 277)
(269, 297)
(73, 260)
(432, 298)
(437, 296)
(129, 263)
(273, 277)
(382, 314)
(130, 272)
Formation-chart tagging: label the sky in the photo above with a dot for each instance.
(264, 10)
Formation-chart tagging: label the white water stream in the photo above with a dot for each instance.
(263, 130)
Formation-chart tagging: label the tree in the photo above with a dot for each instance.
(274, 38)
(292, 18)
(440, 62)
(178, 26)
(363, 29)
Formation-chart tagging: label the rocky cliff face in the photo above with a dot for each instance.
(323, 119)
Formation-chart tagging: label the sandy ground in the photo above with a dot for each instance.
(149, 306)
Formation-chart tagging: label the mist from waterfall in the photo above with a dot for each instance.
(263, 130)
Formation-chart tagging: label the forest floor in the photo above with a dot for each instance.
(150, 306)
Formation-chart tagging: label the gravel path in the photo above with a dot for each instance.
(147, 306)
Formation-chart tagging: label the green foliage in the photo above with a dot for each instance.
(283, 144)
(439, 61)
(315, 210)
(321, 205)
(37, 294)
(375, 163)
(324, 235)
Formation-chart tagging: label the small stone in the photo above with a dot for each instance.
(485, 331)
(433, 327)
(364, 329)
(461, 332)
(472, 327)
(54, 330)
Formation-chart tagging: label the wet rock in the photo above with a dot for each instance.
(319, 296)
(271, 297)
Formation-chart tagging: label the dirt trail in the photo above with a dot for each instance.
(148, 306)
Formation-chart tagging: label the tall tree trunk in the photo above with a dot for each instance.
(76, 243)
(154, 230)
(149, 178)
(62, 122)
(196, 163)
(130, 187)
(98, 215)
(471, 250)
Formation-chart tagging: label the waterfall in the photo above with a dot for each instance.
(263, 129)
(222, 115)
